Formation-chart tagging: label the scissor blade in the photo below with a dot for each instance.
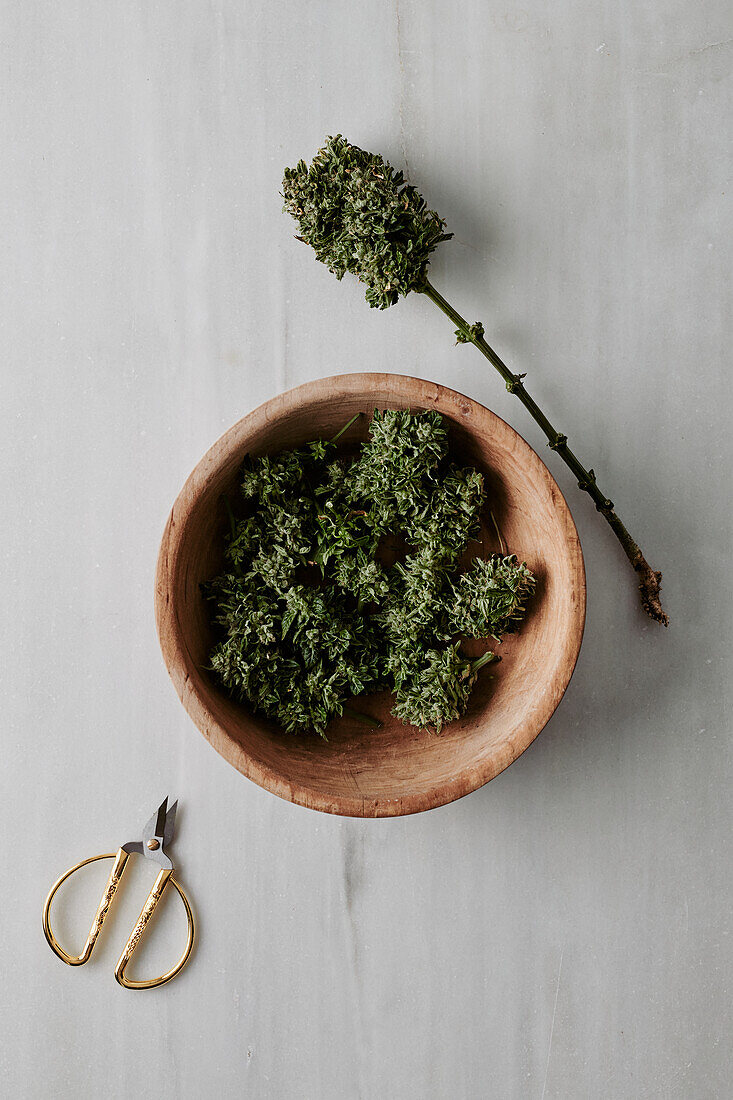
(155, 825)
(170, 825)
(156, 835)
(160, 820)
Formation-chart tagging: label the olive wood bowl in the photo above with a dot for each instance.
(397, 769)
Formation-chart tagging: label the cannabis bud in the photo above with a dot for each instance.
(359, 215)
(308, 615)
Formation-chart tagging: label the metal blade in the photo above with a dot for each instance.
(160, 820)
(170, 825)
(155, 836)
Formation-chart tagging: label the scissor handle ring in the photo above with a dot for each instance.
(147, 911)
(114, 878)
(153, 898)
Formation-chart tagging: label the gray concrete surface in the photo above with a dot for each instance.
(563, 932)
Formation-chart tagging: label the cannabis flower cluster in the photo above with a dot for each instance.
(359, 215)
(309, 615)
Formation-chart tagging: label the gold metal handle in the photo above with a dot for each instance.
(120, 859)
(139, 930)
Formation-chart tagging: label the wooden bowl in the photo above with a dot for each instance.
(397, 769)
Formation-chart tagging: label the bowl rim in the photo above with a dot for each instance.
(179, 662)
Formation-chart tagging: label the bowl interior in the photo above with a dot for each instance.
(396, 769)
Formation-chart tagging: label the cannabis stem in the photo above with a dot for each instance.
(484, 659)
(360, 215)
(345, 428)
(365, 719)
(650, 579)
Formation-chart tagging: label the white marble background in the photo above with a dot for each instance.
(563, 932)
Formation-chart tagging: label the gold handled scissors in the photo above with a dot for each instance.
(157, 835)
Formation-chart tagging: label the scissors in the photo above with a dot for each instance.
(157, 835)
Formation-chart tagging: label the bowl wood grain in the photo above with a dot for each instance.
(398, 769)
